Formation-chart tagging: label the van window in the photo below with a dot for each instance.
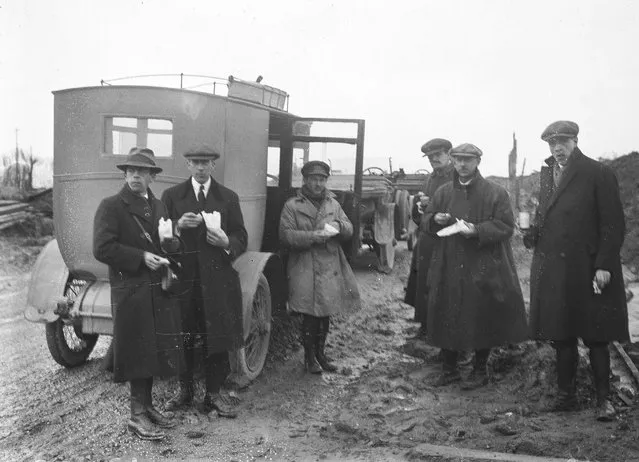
(123, 133)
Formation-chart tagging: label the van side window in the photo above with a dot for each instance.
(121, 133)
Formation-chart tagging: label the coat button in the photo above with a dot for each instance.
(562, 255)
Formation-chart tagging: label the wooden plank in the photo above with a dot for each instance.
(626, 359)
(13, 208)
(7, 202)
(13, 217)
(453, 453)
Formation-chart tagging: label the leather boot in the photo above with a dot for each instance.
(450, 373)
(567, 361)
(152, 413)
(478, 377)
(320, 346)
(139, 423)
(600, 364)
(309, 335)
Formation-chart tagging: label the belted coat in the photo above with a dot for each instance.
(578, 228)
(474, 296)
(146, 320)
(320, 279)
(211, 266)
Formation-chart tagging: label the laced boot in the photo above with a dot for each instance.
(567, 358)
(309, 334)
(450, 373)
(600, 364)
(478, 377)
(139, 423)
(320, 346)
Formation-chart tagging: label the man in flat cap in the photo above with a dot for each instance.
(474, 297)
(146, 340)
(576, 288)
(437, 152)
(212, 304)
(320, 279)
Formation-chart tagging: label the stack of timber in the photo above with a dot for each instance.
(12, 212)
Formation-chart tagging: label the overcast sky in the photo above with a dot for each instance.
(471, 71)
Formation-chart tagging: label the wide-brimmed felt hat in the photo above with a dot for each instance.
(201, 152)
(560, 129)
(466, 149)
(316, 167)
(436, 146)
(140, 157)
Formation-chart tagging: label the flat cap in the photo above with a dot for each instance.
(466, 149)
(201, 152)
(435, 146)
(316, 167)
(560, 129)
(142, 158)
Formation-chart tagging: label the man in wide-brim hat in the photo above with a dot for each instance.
(211, 306)
(145, 329)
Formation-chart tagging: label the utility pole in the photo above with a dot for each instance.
(17, 159)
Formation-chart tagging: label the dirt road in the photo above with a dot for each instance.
(379, 406)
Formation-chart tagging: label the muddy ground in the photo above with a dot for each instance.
(379, 406)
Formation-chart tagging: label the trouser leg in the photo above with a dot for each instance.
(217, 369)
(320, 345)
(567, 361)
(310, 329)
(600, 365)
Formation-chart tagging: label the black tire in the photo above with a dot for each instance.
(249, 360)
(68, 346)
(402, 213)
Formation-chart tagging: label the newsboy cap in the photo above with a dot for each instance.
(201, 152)
(560, 129)
(466, 149)
(435, 146)
(140, 157)
(316, 167)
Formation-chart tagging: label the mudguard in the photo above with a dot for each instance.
(249, 266)
(384, 225)
(46, 286)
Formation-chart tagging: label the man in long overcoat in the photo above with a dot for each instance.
(212, 303)
(474, 297)
(146, 340)
(321, 282)
(577, 286)
(437, 152)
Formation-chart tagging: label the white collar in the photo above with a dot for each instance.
(196, 186)
(466, 183)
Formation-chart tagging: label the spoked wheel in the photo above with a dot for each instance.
(68, 346)
(249, 360)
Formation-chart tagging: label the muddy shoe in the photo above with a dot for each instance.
(142, 427)
(447, 378)
(221, 404)
(605, 411)
(160, 419)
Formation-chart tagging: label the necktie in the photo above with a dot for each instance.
(557, 172)
(201, 200)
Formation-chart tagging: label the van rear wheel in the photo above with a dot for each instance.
(248, 361)
(68, 346)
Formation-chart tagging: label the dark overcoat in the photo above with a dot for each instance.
(210, 266)
(578, 228)
(320, 279)
(474, 296)
(146, 320)
(426, 243)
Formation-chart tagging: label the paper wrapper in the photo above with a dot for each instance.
(457, 227)
(331, 230)
(213, 220)
(165, 229)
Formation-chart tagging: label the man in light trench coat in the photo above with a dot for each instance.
(321, 282)
(577, 288)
